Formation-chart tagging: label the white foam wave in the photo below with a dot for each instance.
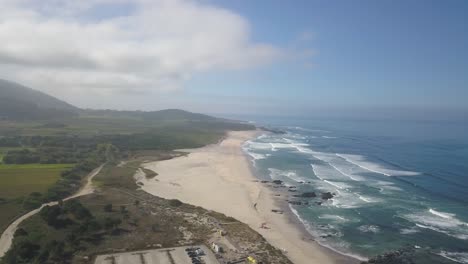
(386, 186)
(315, 172)
(440, 222)
(326, 172)
(276, 174)
(459, 257)
(314, 232)
(367, 200)
(345, 174)
(276, 146)
(408, 231)
(344, 199)
(333, 217)
(257, 145)
(361, 162)
(331, 160)
(256, 156)
(441, 214)
(341, 186)
(369, 229)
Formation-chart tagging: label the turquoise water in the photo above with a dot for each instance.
(395, 183)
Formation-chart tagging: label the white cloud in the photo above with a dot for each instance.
(68, 46)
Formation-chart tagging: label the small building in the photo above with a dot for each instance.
(216, 248)
(221, 232)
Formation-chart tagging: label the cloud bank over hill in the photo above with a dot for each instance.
(104, 47)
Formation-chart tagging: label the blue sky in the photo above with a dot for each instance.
(242, 57)
(368, 54)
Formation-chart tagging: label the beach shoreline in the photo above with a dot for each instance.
(221, 178)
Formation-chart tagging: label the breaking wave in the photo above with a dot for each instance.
(441, 222)
(361, 162)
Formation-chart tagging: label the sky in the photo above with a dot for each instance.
(242, 57)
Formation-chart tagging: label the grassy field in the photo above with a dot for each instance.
(20, 180)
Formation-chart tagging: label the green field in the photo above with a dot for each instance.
(18, 180)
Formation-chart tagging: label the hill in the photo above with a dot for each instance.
(161, 115)
(52, 116)
(20, 102)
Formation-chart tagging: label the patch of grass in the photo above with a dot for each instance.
(118, 177)
(17, 180)
(149, 174)
(9, 211)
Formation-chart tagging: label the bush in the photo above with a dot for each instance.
(108, 208)
(20, 232)
(175, 203)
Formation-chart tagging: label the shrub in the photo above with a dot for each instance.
(175, 203)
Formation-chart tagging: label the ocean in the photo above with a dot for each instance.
(395, 183)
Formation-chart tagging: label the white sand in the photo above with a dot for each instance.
(218, 177)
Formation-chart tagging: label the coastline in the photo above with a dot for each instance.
(220, 177)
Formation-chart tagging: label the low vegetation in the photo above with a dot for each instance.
(21, 187)
(119, 217)
(48, 147)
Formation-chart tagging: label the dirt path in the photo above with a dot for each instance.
(7, 236)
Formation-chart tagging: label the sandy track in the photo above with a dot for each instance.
(7, 236)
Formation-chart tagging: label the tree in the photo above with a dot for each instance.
(175, 203)
(20, 232)
(27, 250)
(108, 208)
(111, 223)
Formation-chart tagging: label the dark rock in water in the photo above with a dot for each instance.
(295, 202)
(272, 130)
(318, 203)
(296, 195)
(327, 195)
(264, 181)
(308, 195)
(292, 190)
(277, 182)
(277, 211)
(292, 187)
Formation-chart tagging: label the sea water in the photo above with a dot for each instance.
(394, 183)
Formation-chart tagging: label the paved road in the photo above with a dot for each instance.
(7, 237)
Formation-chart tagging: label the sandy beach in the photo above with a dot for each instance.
(218, 177)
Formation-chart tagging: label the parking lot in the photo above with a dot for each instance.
(179, 255)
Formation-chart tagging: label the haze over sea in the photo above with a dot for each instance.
(396, 183)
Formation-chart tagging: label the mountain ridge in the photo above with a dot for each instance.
(19, 102)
